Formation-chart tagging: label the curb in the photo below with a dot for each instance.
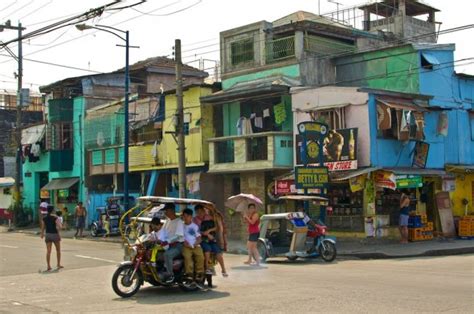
(440, 252)
(87, 238)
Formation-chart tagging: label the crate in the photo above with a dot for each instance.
(465, 224)
(430, 226)
(414, 222)
(465, 232)
(469, 218)
(424, 219)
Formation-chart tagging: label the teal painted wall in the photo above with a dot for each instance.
(31, 184)
(230, 113)
(284, 150)
(290, 71)
(287, 126)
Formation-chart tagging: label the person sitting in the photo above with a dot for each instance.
(208, 229)
(157, 235)
(174, 229)
(192, 251)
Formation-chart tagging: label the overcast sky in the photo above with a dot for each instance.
(154, 31)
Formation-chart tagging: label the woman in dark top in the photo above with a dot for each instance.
(51, 225)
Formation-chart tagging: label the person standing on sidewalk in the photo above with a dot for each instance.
(404, 214)
(51, 225)
(80, 214)
(253, 221)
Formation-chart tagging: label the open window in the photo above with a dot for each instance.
(335, 118)
(59, 136)
(401, 122)
(428, 60)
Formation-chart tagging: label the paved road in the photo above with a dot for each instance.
(396, 285)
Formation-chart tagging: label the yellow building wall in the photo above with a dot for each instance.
(464, 189)
(200, 128)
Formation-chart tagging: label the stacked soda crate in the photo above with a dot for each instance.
(419, 228)
(466, 226)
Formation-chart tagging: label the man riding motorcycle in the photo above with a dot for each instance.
(174, 229)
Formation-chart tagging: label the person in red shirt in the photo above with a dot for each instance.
(253, 221)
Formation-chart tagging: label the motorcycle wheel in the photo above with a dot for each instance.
(123, 285)
(328, 252)
(94, 230)
(262, 251)
(292, 258)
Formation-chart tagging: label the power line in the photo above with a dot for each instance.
(19, 9)
(174, 12)
(11, 4)
(36, 10)
(58, 65)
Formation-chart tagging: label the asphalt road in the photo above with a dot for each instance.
(398, 285)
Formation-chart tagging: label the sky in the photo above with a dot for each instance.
(155, 25)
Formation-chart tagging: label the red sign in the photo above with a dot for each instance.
(283, 187)
(341, 165)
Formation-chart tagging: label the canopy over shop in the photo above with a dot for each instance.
(66, 189)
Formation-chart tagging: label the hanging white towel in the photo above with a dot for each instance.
(266, 113)
(258, 122)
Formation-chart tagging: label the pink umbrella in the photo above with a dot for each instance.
(240, 202)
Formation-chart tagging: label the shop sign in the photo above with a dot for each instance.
(283, 187)
(421, 154)
(271, 191)
(339, 149)
(63, 193)
(44, 194)
(311, 177)
(449, 184)
(385, 179)
(409, 181)
(357, 183)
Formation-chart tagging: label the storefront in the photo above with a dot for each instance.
(62, 192)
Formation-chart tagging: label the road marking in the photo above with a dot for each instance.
(97, 259)
(9, 246)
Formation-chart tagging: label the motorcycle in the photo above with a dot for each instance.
(324, 245)
(131, 275)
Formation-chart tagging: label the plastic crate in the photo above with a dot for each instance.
(424, 219)
(414, 222)
(430, 225)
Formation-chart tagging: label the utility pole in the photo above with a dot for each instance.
(19, 104)
(180, 124)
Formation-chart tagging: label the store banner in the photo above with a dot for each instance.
(357, 183)
(339, 149)
(44, 194)
(421, 154)
(385, 179)
(311, 177)
(409, 181)
(283, 187)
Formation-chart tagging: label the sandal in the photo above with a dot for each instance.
(224, 274)
(247, 263)
(60, 267)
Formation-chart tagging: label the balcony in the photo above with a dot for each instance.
(105, 161)
(61, 160)
(259, 151)
(280, 49)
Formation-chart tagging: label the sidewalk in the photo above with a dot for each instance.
(369, 248)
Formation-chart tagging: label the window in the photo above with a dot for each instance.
(242, 51)
(399, 124)
(428, 60)
(471, 121)
(257, 148)
(149, 133)
(334, 118)
(224, 152)
(59, 136)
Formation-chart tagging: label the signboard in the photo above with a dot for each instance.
(385, 179)
(357, 183)
(409, 181)
(44, 194)
(421, 154)
(63, 193)
(311, 177)
(283, 187)
(339, 149)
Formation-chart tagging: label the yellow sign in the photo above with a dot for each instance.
(313, 150)
(44, 194)
(311, 177)
(357, 183)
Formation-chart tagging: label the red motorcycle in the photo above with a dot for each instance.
(323, 244)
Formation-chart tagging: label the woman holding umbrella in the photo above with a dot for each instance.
(253, 221)
(249, 204)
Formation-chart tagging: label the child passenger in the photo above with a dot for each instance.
(192, 252)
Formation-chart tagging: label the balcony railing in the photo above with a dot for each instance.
(280, 49)
(259, 151)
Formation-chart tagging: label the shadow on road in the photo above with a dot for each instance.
(163, 295)
(299, 262)
(247, 267)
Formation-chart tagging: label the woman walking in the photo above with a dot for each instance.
(253, 221)
(51, 225)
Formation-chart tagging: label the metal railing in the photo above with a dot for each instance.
(280, 49)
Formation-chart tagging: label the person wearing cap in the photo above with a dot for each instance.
(174, 228)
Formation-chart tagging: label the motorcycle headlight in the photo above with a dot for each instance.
(133, 251)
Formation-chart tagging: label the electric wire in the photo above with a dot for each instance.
(35, 10)
(20, 8)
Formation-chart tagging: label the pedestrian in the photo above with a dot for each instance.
(80, 214)
(43, 211)
(404, 215)
(59, 214)
(65, 218)
(51, 225)
(209, 229)
(253, 221)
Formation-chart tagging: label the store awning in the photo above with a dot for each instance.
(417, 171)
(324, 107)
(33, 134)
(6, 182)
(346, 175)
(60, 184)
(430, 58)
(460, 168)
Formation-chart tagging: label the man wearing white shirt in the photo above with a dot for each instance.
(174, 229)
